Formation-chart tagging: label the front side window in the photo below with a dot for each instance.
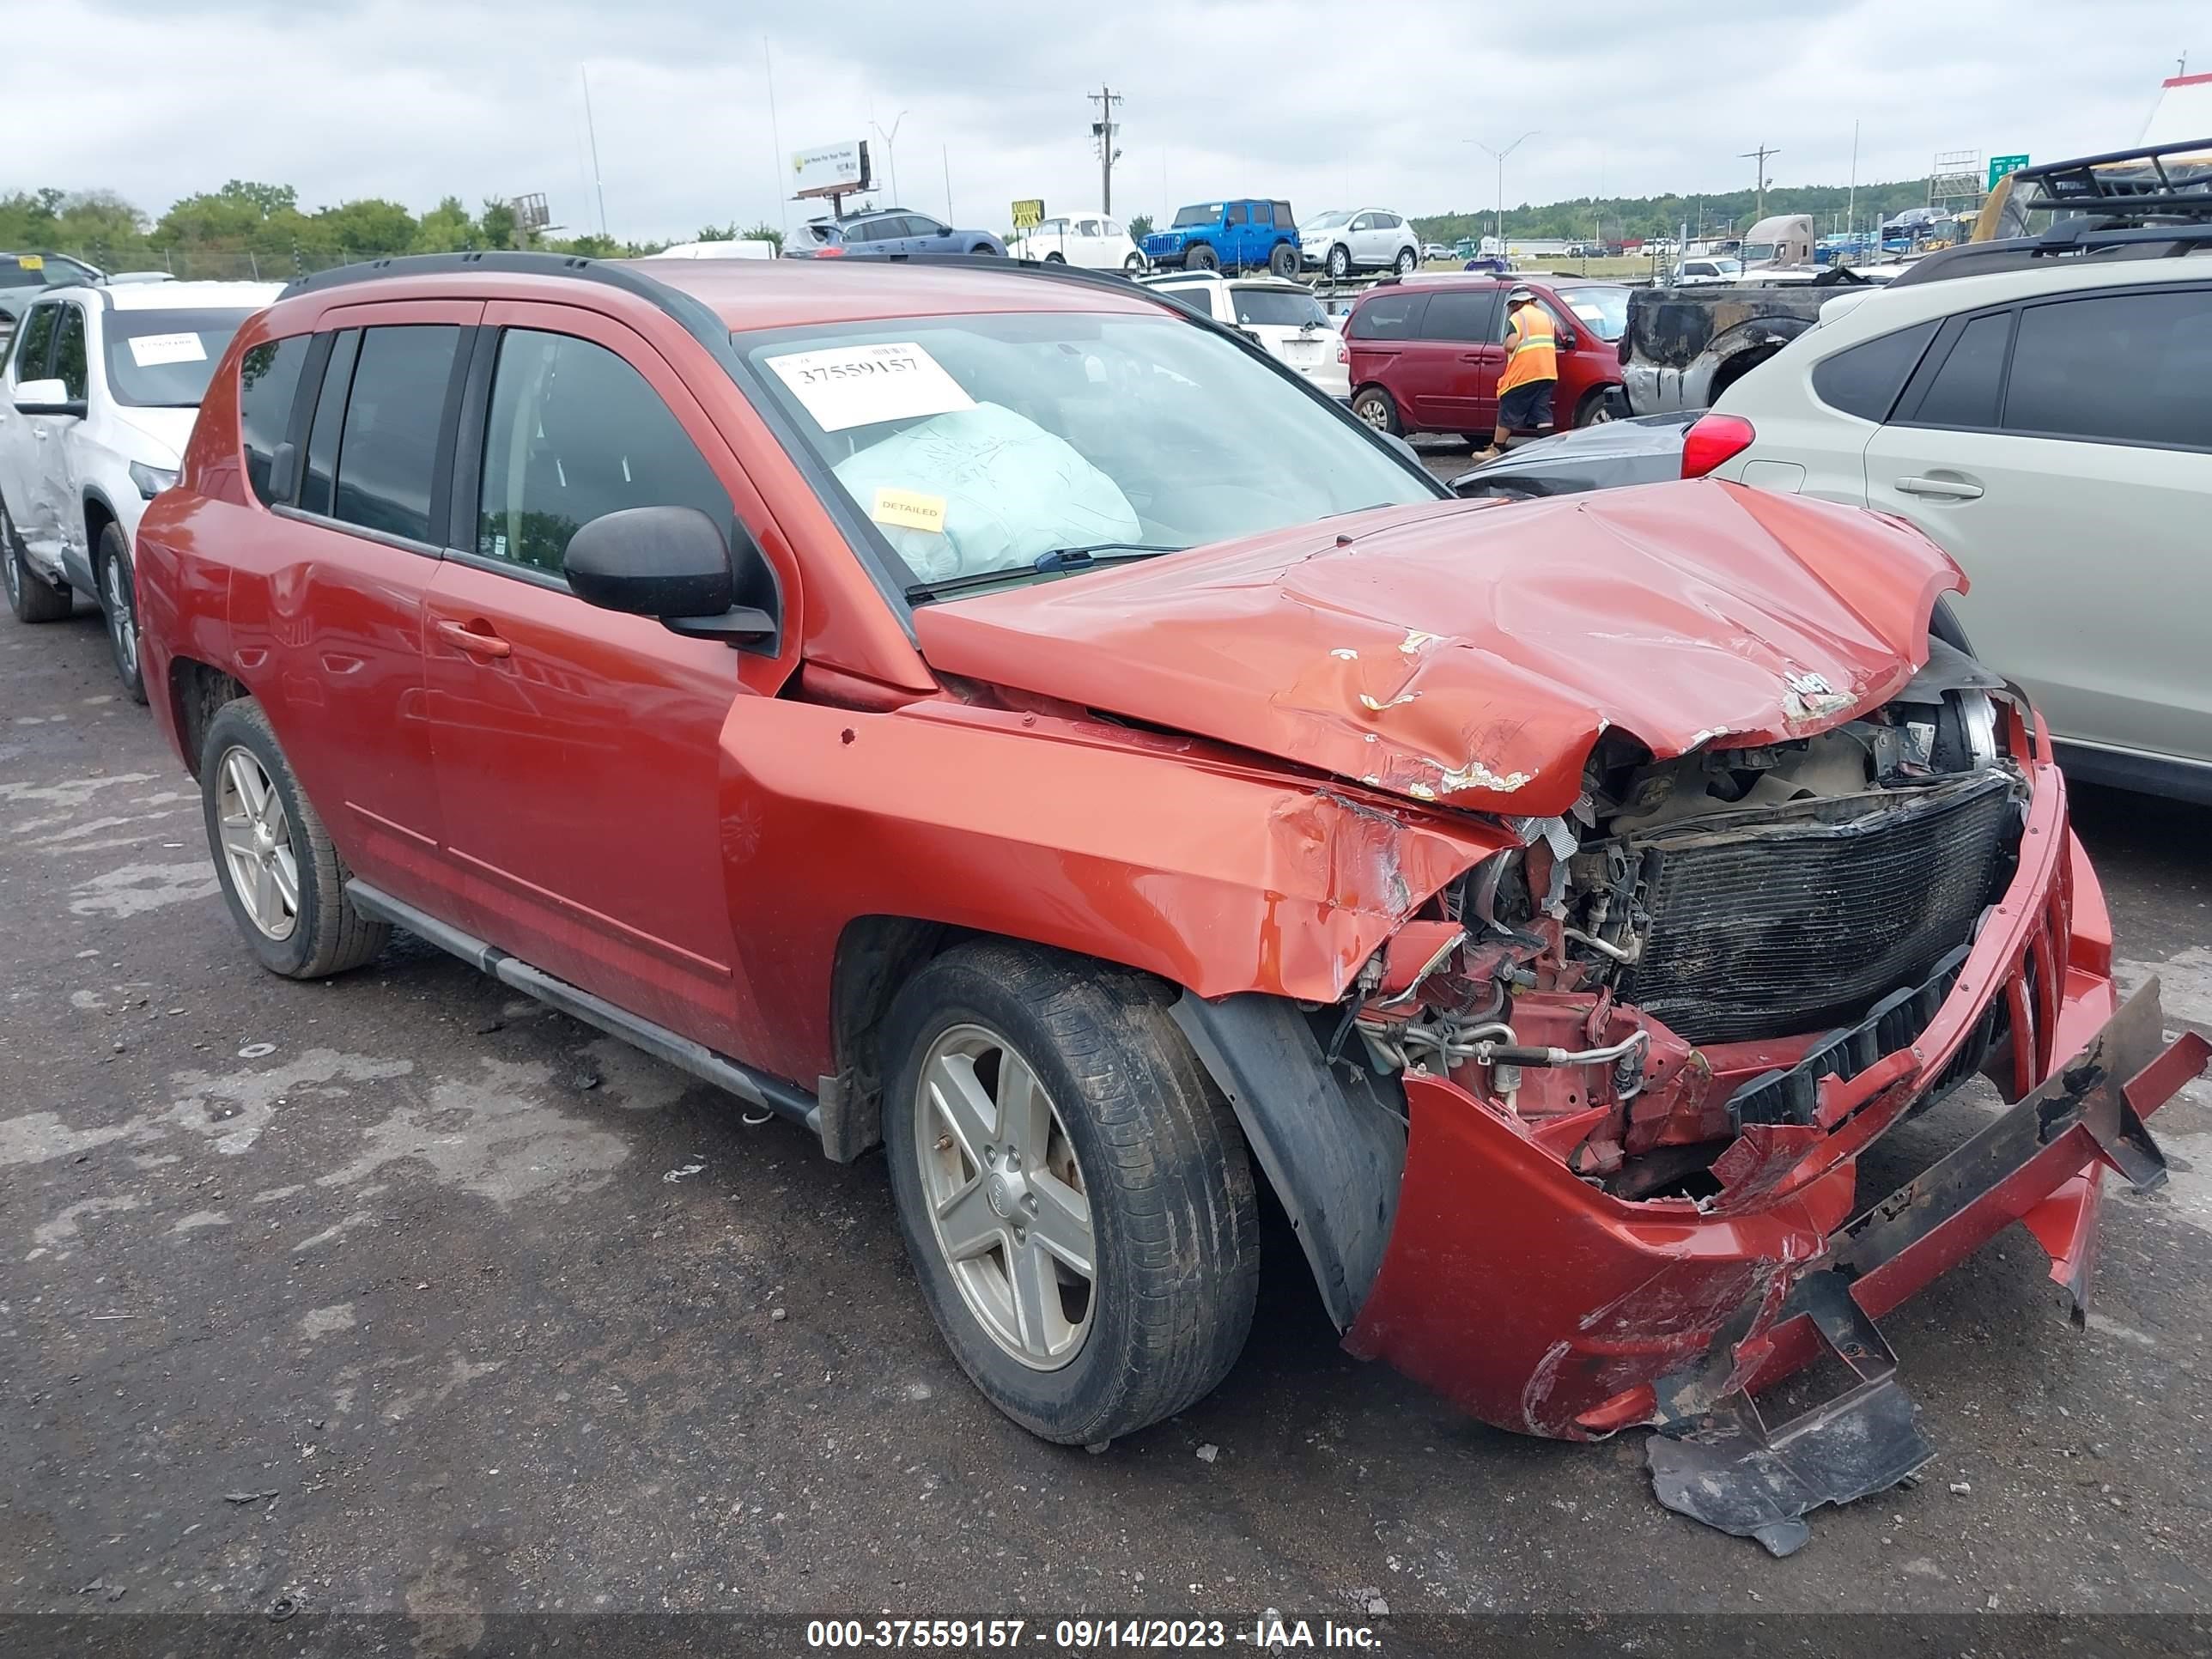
(388, 449)
(2121, 368)
(320, 484)
(35, 347)
(164, 359)
(70, 363)
(1236, 213)
(574, 434)
(1603, 311)
(268, 385)
(975, 445)
(918, 225)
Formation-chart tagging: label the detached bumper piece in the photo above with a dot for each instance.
(1715, 1459)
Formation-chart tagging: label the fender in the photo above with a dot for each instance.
(78, 567)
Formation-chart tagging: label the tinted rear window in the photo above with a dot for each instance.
(389, 450)
(1466, 314)
(1864, 381)
(268, 382)
(1963, 390)
(1277, 308)
(1389, 316)
(2123, 368)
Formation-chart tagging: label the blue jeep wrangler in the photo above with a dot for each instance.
(1228, 236)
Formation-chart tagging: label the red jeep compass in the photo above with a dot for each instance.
(1426, 354)
(995, 713)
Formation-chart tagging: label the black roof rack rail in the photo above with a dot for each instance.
(2108, 184)
(507, 262)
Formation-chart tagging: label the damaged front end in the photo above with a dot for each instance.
(1640, 1054)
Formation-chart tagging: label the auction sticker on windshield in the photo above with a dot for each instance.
(152, 350)
(859, 385)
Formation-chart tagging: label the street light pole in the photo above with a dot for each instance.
(1500, 156)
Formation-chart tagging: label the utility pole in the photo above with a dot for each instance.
(1762, 153)
(1852, 214)
(593, 131)
(1102, 131)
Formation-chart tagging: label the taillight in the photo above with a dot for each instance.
(1713, 441)
(1343, 351)
(828, 252)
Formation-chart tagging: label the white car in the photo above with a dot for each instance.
(1283, 318)
(1089, 239)
(1361, 239)
(2048, 421)
(100, 390)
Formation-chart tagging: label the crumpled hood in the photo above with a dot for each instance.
(1471, 652)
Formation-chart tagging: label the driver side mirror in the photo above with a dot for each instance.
(47, 397)
(1569, 339)
(673, 563)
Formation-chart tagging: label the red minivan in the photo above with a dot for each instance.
(1426, 355)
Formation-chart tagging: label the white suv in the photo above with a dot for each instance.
(1368, 239)
(2046, 418)
(1284, 318)
(101, 388)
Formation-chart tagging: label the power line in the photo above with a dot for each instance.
(1102, 131)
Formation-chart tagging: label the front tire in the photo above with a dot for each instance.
(1201, 258)
(985, 247)
(1134, 265)
(1071, 1187)
(30, 596)
(1595, 409)
(1055, 259)
(1339, 262)
(1407, 259)
(118, 603)
(284, 880)
(1378, 410)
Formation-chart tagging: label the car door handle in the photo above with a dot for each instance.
(478, 644)
(1950, 490)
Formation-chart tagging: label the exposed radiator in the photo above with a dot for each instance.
(1796, 918)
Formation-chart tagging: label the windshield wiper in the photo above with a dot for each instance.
(1045, 564)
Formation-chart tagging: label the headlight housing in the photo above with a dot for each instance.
(152, 480)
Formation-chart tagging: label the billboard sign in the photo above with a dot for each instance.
(830, 170)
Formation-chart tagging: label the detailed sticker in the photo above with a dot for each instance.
(152, 350)
(909, 509)
(858, 386)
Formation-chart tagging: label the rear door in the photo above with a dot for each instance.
(579, 751)
(1237, 236)
(1384, 327)
(328, 621)
(2062, 451)
(1453, 369)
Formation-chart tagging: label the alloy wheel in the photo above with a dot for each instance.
(1374, 412)
(1009, 1208)
(122, 616)
(257, 843)
(13, 566)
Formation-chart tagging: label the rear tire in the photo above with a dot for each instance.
(1088, 1099)
(1054, 260)
(317, 933)
(30, 596)
(113, 574)
(1201, 258)
(1375, 406)
(1283, 260)
(984, 248)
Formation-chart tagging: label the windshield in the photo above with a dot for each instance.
(1204, 214)
(1605, 309)
(163, 359)
(1277, 308)
(979, 443)
(1327, 221)
(1757, 252)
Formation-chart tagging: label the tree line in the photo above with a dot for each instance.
(251, 229)
(1617, 218)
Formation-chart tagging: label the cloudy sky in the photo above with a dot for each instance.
(1329, 104)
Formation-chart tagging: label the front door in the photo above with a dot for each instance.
(29, 444)
(579, 751)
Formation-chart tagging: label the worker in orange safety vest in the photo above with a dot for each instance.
(1532, 370)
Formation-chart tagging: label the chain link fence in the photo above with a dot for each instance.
(205, 264)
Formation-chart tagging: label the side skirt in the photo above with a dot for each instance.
(755, 1088)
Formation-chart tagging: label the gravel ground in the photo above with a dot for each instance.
(393, 1293)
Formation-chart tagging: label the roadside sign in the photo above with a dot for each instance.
(2000, 165)
(1028, 213)
(830, 170)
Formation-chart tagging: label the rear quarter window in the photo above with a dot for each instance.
(268, 386)
(1864, 380)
